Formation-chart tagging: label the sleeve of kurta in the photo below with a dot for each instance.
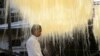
(35, 48)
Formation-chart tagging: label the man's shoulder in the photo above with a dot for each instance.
(31, 39)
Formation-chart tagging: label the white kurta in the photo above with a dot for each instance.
(33, 46)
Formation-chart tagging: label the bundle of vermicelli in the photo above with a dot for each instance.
(56, 16)
(96, 24)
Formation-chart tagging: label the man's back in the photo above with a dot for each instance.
(33, 46)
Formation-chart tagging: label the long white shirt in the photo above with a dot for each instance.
(33, 46)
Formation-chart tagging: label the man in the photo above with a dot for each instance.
(32, 44)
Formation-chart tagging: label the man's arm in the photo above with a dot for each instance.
(35, 47)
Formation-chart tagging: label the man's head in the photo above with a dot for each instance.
(36, 30)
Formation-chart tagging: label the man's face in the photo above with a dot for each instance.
(37, 33)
